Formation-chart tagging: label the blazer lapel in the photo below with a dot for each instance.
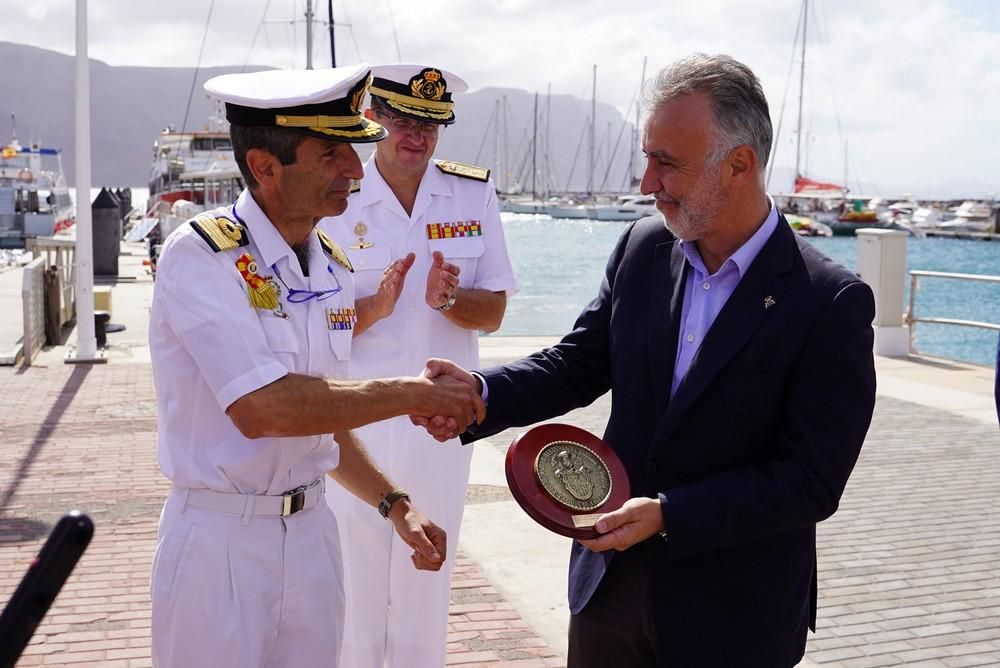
(749, 305)
(665, 301)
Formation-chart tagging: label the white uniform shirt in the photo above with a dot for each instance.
(401, 343)
(210, 346)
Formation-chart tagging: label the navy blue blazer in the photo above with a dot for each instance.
(751, 452)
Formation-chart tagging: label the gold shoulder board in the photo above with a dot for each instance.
(355, 185)
(334, 251)
(220, 233)
(463, 170)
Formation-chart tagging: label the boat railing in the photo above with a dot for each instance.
(912, 319)
(60, 267)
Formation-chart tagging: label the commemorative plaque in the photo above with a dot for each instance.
(565, 478)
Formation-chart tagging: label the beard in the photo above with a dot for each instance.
(697, 211)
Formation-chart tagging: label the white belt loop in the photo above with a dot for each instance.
(248, 509)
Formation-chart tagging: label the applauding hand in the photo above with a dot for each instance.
(390, 286)
(442, 281)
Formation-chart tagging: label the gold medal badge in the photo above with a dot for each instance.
(263, 293)
(361, 230)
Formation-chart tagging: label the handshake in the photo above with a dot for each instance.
(449, 401)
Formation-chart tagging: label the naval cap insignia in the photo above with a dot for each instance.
(429, 85)
(768, 302)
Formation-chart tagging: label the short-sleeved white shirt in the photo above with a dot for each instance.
(210, 346)
(455, 215)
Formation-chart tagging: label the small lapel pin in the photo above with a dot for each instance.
(768, 302)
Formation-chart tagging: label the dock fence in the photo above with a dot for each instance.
(912, 319)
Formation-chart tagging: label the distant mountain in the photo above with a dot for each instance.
(130, 105)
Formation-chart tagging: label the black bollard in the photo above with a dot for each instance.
(107, 235)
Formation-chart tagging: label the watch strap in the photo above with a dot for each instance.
(448, 304)
(385, 505)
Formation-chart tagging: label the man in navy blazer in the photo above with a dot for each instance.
(740, 364)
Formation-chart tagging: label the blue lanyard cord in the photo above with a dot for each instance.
(296, 296)
(300, 296)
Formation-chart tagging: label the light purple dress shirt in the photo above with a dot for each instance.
(705, 295)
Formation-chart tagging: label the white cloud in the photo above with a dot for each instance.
(913, 84)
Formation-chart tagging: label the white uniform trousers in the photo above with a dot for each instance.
(397, 616)
(254, 592)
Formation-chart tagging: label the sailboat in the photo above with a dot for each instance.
(843, 216)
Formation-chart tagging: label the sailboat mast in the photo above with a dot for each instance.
(845, 169)
(548, 131)
(329, 19)
(506, 154)
(309, 34)
(636, 139)
(496, 142)
(802, 82)
(534, 146)
(593, 123)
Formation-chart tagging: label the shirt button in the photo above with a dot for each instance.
(690, 338)
(706, 285)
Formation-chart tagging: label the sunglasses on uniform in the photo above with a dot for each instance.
(408, 125)
(296, 296)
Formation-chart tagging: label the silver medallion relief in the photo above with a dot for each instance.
(573, 475)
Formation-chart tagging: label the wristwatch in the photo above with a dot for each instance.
(385, 505)
(448, 304)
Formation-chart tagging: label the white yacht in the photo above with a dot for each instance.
(627, 208)
(34, 199)
(971, 217)
(191, 172)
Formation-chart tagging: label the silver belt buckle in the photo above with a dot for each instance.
(293, 501)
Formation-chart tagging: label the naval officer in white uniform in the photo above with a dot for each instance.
(252, 322)
(428, 234)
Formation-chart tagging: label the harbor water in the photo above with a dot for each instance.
(560, 264)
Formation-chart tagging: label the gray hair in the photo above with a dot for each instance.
(740, 109)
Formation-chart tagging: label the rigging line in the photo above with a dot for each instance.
(486, 132)
(194, 79)
(350, 29)
(255, 34)
(392, 22)
(784, 98)
(576, 155)
(821, 24)
(621, 132)
(291, 32)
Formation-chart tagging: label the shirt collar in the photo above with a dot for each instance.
(744, 256)
(270, 244)
(375, 189)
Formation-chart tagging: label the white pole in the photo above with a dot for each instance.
(86, 343)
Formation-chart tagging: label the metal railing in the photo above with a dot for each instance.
(33, 308)
(61, 254)
(912, 320)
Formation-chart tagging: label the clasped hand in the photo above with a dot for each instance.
(440, 425)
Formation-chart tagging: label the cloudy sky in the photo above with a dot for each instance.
(911, 86)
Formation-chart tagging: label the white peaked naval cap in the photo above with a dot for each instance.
(324, 103)
(420, 92)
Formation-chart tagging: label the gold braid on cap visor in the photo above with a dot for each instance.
(329, 125)
(414, 105)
